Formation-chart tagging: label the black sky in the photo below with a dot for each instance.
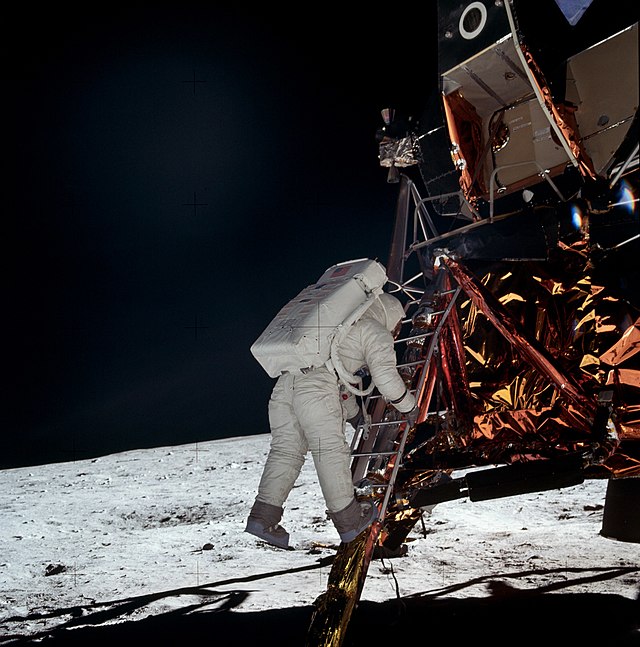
(175, 175)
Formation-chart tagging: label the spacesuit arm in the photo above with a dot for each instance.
(380, 356)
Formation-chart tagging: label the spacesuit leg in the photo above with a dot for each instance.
(288, 446)
(317, 405)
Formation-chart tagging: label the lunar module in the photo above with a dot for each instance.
(515, 250)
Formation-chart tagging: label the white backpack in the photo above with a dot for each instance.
(302, 335)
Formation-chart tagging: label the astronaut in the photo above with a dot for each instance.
(307, 413)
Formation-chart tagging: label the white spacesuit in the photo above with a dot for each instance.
(307, 413)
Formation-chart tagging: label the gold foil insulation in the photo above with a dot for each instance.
(542, 340)
(334, 607)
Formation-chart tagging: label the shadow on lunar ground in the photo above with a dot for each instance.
(507, 617)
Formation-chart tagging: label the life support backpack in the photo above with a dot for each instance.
(305, 332)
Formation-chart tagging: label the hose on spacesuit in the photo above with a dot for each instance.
(334, 362)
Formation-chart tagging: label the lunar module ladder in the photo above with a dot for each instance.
(348, 572)
(364, 440)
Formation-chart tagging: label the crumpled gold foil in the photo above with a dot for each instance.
(625, 348)
(333, 609)
(543, 340)
(622, 364)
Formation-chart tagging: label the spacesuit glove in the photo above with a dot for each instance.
(412, 416)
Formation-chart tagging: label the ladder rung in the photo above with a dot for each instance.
(389, 422)
(414, 337)
(408, 364)
(377, 454)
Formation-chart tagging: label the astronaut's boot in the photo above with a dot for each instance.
(353, 519)
(263, 523)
